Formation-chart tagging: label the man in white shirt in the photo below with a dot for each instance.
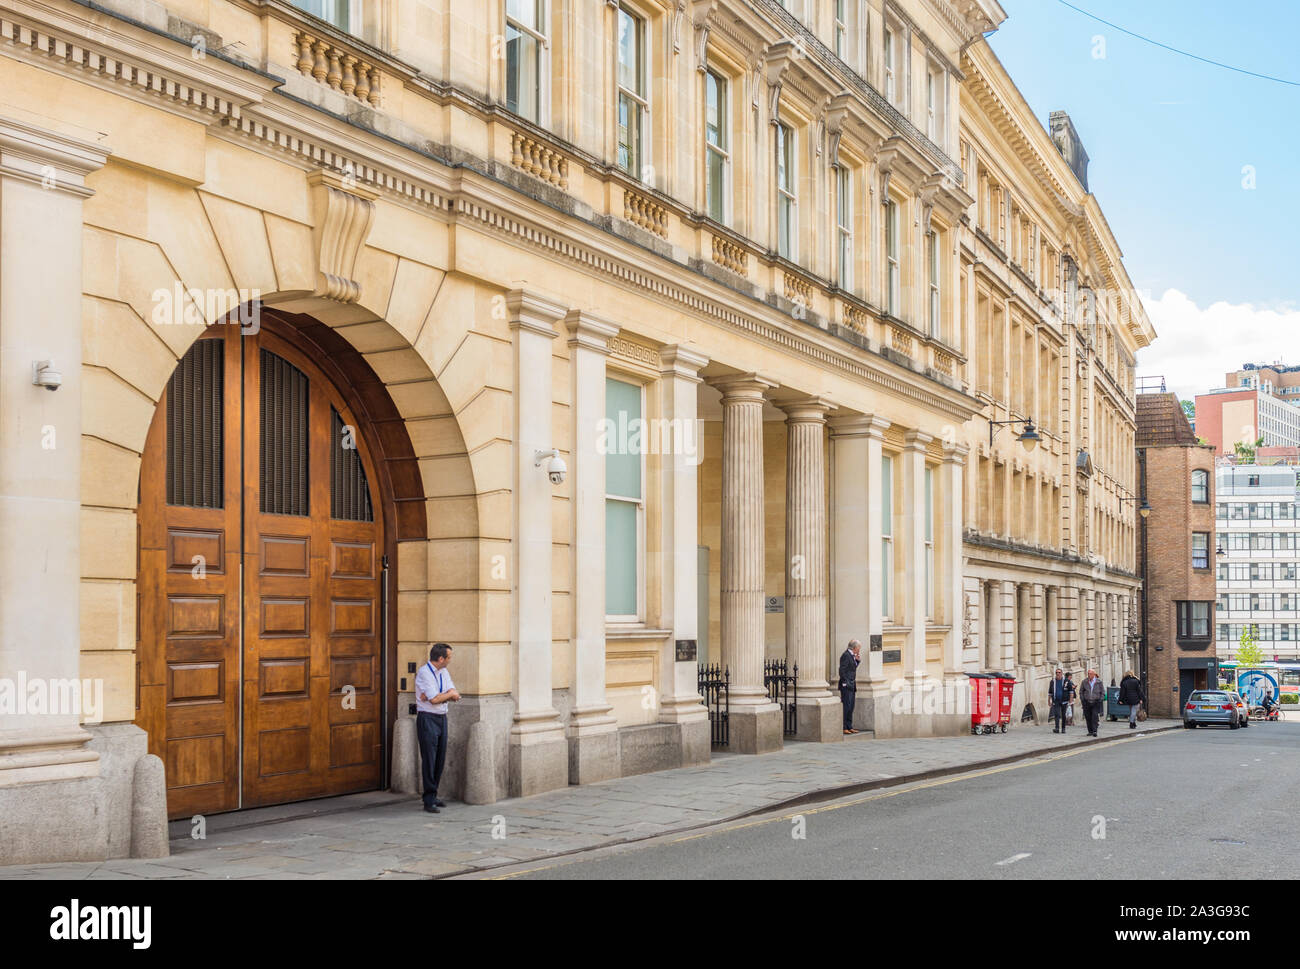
(433, 690)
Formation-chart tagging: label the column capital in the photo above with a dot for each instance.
(54, 161)
(955, 453)
(532, 312)
(806, 410)
(682, 362)
(916, 440)
(589, 332)
(743, 386)
(859, 425)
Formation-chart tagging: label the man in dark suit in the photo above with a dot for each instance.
(849, 682)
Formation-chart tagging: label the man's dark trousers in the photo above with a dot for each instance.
(1058, 715)
(1092, 711)
(431, 731)
(848, 697)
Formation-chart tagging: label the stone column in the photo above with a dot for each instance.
(538, 751)
(856, 524)
(820, 715)
(593, 731)
(755, 719)
(1051, 629)
(51, 798)
(679, 701)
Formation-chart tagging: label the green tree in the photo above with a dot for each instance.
(1189, 408)
(1246, 452)
(1249, 652)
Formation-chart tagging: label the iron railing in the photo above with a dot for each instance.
(714, 684)
(782, 685)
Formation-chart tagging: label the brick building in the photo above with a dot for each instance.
(1177, 539)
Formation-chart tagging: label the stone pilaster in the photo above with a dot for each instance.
(855, 550)
(755, 719)
(679, 701)
(805, 578)
(915, 605)
(538, 751)
(593, 731)
(42, 187)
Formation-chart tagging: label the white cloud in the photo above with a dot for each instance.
(1196, 347)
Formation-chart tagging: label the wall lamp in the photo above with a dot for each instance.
(1028, 437)
(1144, 509)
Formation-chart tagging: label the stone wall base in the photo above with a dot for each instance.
(86, 818)
(537, 767)
(757, 729)
(664, 746)
(595, 757)
(821, 721)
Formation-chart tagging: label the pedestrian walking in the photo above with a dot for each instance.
(1130, 694)
(849, 661)
(1059, 694)
(1092, 692)
(433, 690)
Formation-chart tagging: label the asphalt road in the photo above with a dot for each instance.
(1205, 804)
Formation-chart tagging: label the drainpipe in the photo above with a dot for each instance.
(1146, 691)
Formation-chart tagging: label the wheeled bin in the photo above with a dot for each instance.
(983, 702)
(1006, 688)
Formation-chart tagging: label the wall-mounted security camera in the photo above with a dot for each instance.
(45, 375)
(556, 469)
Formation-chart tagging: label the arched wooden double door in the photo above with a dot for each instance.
(260, 589)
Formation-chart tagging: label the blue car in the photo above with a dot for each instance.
(1205, 707)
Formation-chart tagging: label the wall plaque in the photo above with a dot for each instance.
(892, 656)
(686, 651)
(775, 604)
(877, 643)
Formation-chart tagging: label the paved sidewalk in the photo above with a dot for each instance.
(381, 835)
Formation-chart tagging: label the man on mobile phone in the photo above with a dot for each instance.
(433, 690)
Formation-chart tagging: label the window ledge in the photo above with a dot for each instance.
(634, 631)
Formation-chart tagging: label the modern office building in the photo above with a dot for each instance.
(1258, 521)
(1233, 415)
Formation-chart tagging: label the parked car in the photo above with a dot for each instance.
(1243, 708)
(1211, 706)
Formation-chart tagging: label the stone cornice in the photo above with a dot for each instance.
(234, 101)
(52, 160)
(110, 52)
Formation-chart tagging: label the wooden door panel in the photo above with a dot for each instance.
(259, 663)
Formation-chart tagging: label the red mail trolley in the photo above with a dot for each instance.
(990, 701)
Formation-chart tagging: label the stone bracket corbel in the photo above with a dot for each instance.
(837, 109)
(700, 11)
(343, 213)
(776, 61)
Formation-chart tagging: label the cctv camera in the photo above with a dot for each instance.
(556, 470)
(555, 467)
(44, 375)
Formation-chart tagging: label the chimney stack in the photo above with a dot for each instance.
(1068, 144)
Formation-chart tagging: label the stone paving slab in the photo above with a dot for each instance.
(384, 835)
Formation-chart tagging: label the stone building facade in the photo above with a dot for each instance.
(597, 339)
(1177, 549)
(1053, 327)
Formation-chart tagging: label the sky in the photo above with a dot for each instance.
(1195, 166)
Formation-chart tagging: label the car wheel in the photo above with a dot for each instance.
(1245, 721)
(1192, 725)
(1235, 725)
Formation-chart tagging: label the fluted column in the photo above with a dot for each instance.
(805, 576)
(755, 719)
